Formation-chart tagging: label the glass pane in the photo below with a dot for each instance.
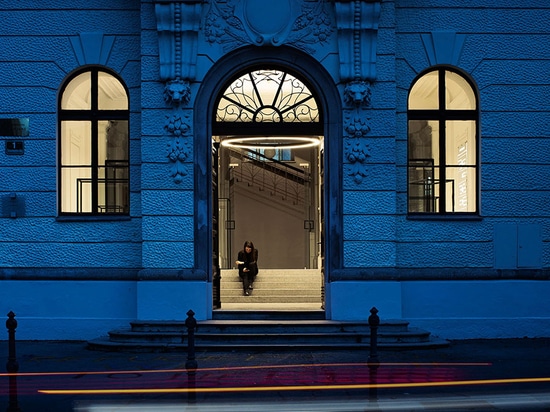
(424, 140)
(424, 94)
(111, 94)
(112, 141)
(423, 187)
(76, 190)
(458, 93)
(113, 166)
(460, 141)
(77, 94)
(461, 189)
(113, 193)
(76, 143)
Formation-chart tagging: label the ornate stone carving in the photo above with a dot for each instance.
(176, 126)
(178, 152)
(178, 26)
(357, 149)
(357, 153)
(357, 23)
(357, 93)
(178, 148)
(233, 23)
(177, 92)
(358, 127)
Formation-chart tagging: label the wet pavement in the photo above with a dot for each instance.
(507, 374)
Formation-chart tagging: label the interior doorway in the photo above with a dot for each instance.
(270, 197)
(268, 189)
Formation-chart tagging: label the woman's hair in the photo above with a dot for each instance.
(249, 244)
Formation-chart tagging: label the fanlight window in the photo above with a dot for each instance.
(268, 97)
(442, 144)
(93, 145)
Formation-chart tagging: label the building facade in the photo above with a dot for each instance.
(399, 147)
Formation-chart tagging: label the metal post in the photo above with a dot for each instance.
(374, 322)
(191, 324)
(373, 363)
(12, 366)
(191, 364)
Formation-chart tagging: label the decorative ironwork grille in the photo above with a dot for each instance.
(267, 96)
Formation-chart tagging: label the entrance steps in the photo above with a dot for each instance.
(257, 335)
(273, 289)
(284, 312)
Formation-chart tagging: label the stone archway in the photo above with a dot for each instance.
(329, 101)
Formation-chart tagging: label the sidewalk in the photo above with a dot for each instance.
(508, 357)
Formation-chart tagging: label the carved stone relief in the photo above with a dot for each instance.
(178, 148)
(234, 23)
(357, 148)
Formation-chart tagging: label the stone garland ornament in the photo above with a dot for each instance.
(357, 150)
(178, 149)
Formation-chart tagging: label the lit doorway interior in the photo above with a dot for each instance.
(268, 145)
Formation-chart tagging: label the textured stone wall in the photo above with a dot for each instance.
(503, 47)
(39, 49)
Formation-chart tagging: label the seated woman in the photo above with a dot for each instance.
(247, 262)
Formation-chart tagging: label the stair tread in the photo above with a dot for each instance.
(106, 344)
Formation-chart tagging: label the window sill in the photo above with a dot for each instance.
(445, 217)
(92, 218)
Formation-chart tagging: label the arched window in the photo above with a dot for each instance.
(443, 154)
(93, 144)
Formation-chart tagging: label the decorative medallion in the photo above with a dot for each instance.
(234, 23)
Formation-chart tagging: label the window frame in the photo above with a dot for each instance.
(441, 115)
(94, 115)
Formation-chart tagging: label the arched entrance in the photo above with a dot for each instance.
(321, 218)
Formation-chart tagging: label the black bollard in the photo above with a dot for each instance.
(372, 362)
(374, 322)
(191, 364)
(191, 325)
(11, 366)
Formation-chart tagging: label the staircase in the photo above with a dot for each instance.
(253, 335)
(274, 289)
(284, 312)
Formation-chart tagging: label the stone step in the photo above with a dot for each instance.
(271, 326)
(273, 286)
(264, 335)
(271, 282)
(276, 273)
(260, 291)
(256, 299)
(269, 311)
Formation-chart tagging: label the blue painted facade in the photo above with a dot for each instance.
(483, 274)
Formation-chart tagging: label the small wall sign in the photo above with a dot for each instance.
(15, 147)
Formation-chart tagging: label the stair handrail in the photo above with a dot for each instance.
(293, 178)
